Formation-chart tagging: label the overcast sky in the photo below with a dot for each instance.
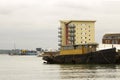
(34, 23)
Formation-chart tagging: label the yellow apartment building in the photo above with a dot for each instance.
(76, 32)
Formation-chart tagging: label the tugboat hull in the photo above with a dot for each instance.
(107, 56)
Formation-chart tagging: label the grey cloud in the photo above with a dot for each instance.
(7, 10)
(70, 5)
(112, 7)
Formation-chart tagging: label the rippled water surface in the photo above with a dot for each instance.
(32, 68)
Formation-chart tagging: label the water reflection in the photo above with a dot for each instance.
(93, 72)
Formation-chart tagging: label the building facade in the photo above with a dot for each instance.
(75, 32)
(111, 39)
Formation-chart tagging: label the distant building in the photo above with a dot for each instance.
(39, 49)
(111, 39)
(75, 32)
(5, 51)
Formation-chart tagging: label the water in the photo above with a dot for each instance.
(32, 68)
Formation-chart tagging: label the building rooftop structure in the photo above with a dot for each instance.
(78, 20)
(112, 35)
(111, 38)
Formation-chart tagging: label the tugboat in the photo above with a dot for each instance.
(82, 54)
(78, 46)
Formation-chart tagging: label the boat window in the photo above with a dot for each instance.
(79, 47)
(85, 46)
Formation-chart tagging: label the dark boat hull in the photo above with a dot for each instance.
(107, 56)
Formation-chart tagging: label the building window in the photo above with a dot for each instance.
(83, 33)
(84, 41)
(83, 24)
(83, 29)
(83, 37)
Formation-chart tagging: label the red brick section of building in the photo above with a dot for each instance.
(111, 39)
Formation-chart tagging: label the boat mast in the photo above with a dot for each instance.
(14, 45)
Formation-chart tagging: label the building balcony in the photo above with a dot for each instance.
(59, 48)
(59, 36)
(71, 39)
(60, 32)
(71, 26)
(71, 31)
(60, 28)
(71, 35)
(59, 40)
(59, 44)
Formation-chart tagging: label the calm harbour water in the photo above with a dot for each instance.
(33, 68)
